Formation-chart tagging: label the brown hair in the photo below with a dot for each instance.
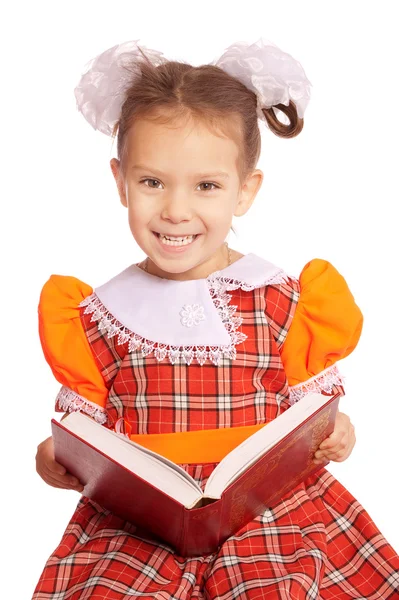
(176, 90)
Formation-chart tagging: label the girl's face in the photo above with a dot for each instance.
(182, 181)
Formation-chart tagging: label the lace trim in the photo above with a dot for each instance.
(233, 284)
(218, 288)
(324, 381)
(68, 400)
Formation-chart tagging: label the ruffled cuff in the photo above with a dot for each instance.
(68, 400)
(322, 382)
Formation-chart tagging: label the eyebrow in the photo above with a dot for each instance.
(200, 175)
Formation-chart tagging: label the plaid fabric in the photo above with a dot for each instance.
(317, 542)
(160, 397)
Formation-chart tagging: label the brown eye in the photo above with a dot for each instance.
(209, 183)
(150, 186)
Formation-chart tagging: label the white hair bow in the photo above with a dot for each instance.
(275, 77)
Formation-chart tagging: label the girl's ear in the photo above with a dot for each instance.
(117, 173)
(248, 192)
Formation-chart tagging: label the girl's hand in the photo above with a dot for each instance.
(339, 444)
(52, 472)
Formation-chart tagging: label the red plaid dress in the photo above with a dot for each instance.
(286, 336)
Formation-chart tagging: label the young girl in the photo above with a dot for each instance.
(200, 337)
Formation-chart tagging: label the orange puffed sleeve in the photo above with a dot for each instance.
(326, 326)
(66, 348)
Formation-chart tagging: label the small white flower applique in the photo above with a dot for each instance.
(192, 314)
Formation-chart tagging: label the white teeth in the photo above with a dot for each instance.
(175, 241)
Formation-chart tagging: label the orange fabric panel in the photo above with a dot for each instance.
(63, 338)
(202, 446)
(326, 326)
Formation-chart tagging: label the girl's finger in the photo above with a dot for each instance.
(64, 484)
(57, 468)
(67, 480)
(319, 461)
(55, 483)
(332, 440)
(337, 456)
(341, 454)
(338, 447)
(348, 450)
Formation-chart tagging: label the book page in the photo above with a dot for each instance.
(159, 457)
(249, 451)
(150, 466)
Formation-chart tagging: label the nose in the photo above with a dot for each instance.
(176, 208)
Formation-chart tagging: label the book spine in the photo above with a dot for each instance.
(201, 529)
(181, 545)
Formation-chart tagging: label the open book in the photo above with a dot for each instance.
(155, 493)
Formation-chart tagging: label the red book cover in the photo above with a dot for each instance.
(201, 530)
(116, 488)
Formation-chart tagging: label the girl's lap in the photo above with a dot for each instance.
(99, 546)
(294, 546)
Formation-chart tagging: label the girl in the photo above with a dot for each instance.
(201, 337)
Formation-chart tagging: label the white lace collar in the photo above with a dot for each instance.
(179, 319)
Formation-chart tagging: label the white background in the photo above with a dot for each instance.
(330, 193)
